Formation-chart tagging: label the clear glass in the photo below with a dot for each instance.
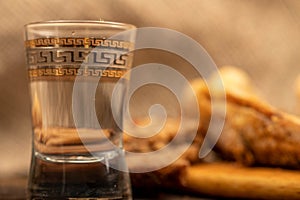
(77, 147)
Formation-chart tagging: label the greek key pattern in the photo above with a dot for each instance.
(67, 58)
(79, 42)
(70, 56)
(73, 72)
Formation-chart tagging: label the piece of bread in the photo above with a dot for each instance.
(235, 181)
(254, 133)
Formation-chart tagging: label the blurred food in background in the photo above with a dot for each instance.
(255, 134)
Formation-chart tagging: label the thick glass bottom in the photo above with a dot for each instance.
(89, 179)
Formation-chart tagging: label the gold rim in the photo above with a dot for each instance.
(100, 23)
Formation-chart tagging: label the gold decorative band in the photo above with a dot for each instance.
(73, 72)
(67, 58)
(79, 42)
(73, 56)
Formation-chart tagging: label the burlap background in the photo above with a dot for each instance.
(260, 36)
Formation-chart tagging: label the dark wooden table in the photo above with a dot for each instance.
(15, 189)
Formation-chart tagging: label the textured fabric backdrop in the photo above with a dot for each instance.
(260, 36)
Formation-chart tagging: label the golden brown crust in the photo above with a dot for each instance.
(260, 136)
(234, 181)
(255, 132)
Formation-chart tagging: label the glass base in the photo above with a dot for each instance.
(70, 177)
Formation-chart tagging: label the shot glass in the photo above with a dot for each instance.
(73, 68)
